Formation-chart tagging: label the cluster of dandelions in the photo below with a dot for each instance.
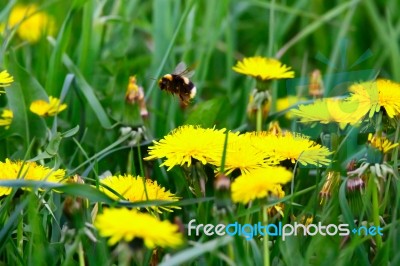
(122, 224)
(254, 157)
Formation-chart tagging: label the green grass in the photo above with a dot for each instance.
(87, 63)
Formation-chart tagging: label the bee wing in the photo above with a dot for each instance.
(182, 70)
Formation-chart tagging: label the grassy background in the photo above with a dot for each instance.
(99, 44)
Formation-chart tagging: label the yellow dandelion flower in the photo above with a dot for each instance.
(127, 225)
(263, 68)
(242, 155)
(376, 94)
(187, 143)
(291, 146)
(133, 189)
(381, 143)
(29, 171)
(44, 108)
(258, 184)
(330, 110)
(32, 24)
(5, 80)
(6, 118)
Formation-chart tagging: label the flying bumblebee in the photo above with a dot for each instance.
(179, 83)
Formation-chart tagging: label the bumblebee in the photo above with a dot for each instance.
(179, 83)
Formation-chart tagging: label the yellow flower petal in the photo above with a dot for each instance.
(263, 68)
(6, 118)
(44, 108)
(133, 189)
(29, 171)
(187, 143)
(260, 183)
(5, 79)
(376, 94)
(32, 24)
(127, 225)
(330, 110)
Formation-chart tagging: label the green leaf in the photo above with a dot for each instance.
(70, 132)
(20, 95)
(207, 113)
(196, 251)
(87, 91)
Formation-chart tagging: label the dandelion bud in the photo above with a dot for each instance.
(134, 93)
(277, 209)
(316, 87)
(330, 185)
(74, 207)
(355, 188)
(258, 99)
(222, 186)
(275, 129)
(351, 166)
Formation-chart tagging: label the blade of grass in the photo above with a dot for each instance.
(87, 91)
(334, 12)
(192, 253)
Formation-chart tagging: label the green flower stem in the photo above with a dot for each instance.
(375, 209)
(265, 240)
(259, 119)
(81, 255)
(20, 235)
(374, 186)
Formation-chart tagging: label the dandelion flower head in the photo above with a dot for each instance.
(5, 80)
(259, 183)
(381, 143)
(32, 24)
(10, 170)
(6, 118)
(376, 94)
(330, 110)
(263, 68)
(136, 189)
(47, 108)
(187, 143)
(126, 225)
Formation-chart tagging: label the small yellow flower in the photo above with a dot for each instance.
(5, 80)
(376, 94)
(29, 171)
(263, 68)
(381, 143)
(44, 108)
(134, 189)
(258, 184)
(6, 118)
(330, 110)
(187, 143)
(32, 24)
(127, 225)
